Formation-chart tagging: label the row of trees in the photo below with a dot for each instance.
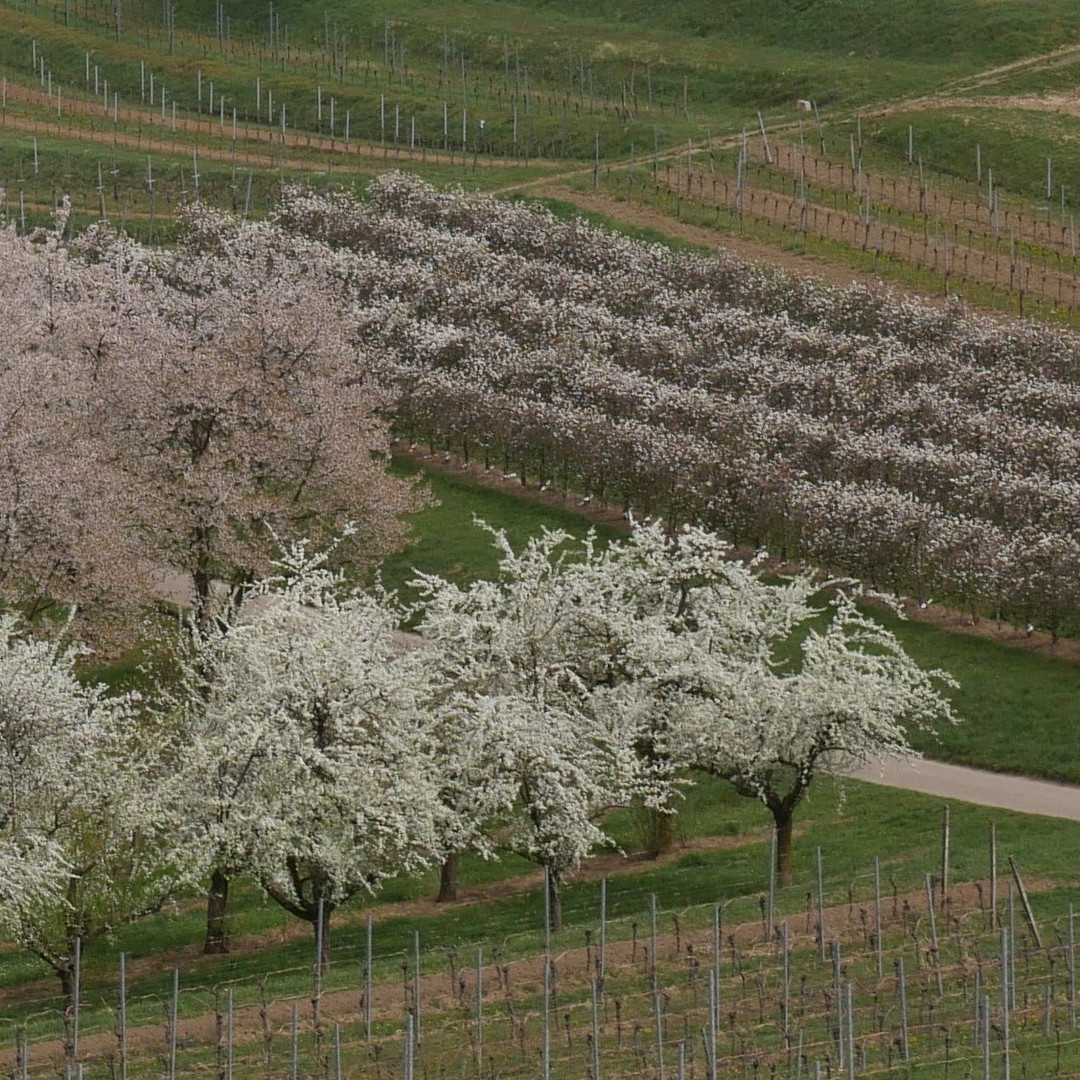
(174, 408)
(926, 449)
(304, 744)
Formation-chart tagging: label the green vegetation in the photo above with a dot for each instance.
(447, 540)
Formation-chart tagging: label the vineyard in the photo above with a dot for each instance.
(945, 236)
(222, 309)
(853, 972)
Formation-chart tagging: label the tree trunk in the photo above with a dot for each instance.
(66, 975)
(554, 900)
(783, 818)
(448, 879)
(217, 935)
(324, 953)
(660, 832)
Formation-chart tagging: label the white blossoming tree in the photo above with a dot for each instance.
(663, 653)
(561, 749)
(86, 825)
(754, 681)
(310, 764)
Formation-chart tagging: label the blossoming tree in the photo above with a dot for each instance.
(85, 817)
(310, 766)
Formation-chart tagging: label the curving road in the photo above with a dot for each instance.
(977, 786)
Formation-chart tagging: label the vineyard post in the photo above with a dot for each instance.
(877, 914)
(1029, 915)
(978, 165)
(850, 1034)
(910, 143)
(986, 1036)
(993, 852)
(945, 818)
(367, 982)
(821, 902)
(75, 995)
(294, 1052)
(977, 1020)
(416, 986)
(1072, 970)
(22, 1052)
(659, 1019)
(652, 940)
(173, 1014)
(337, 1052)
(595, 1032)
(479, 1012)
(714, 1005)
(1012, 948)
(545, 1041)
(316, 999)
(786, 983)
(1005, 960)
(121, 1020)
(838, 990)
(930, 912)
(902, 990)
(228, 1037)
(603, 926)
(1048, 1009)
(716, 965)
(772, 886)
(682, 1061)
(545, 1046)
